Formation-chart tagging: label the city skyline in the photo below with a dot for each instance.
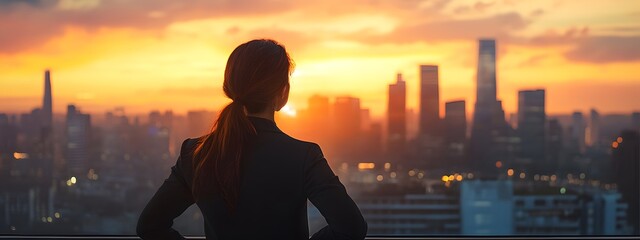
(120, 159)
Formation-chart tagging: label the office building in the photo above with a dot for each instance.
(78, 134)
(532, 128)
(397, 117)
(455, 125)
(429, 101)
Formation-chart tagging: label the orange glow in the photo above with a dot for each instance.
(459, 178)
(19, 156)
(445, 178)
(366, 166)
(498, 164)
(619, 140)
(614, 145)
(510, 172)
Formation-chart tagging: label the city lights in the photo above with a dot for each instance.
(19, 156)
(366, 166)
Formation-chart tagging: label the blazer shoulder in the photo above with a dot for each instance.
(185, 160)
(301, 143)
(188, 146)
(312, 149)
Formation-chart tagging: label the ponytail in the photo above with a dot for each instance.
(257, 72)
(218, 155)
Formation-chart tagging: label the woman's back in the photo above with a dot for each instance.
(279, 174)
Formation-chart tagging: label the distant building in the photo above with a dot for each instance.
(161, 120)
(532, 128)
(486, 207)
(592, 134)
(347, 125)
(46, 132)
(397, 117)
(429, 101)
(411, 214)
(309, 121)
(8, 142)
(200, 122)
(578, 132)
(455, 126)
(555, 145)
(547, 214)
(78, 134)
(626, 168)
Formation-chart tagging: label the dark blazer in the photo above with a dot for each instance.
(279, 174)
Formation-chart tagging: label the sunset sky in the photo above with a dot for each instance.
(168, 54)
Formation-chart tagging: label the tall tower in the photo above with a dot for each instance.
(486, 75)
(47, 110)
(488, 110)
(429, 101)
(397, 116)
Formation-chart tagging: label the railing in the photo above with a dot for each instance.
(25, 237)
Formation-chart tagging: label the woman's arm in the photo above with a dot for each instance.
(171, 200)
(326, 192)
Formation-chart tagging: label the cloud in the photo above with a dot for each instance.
(606, 49)
(500, 26)
(192, 91)
(28, 24)
(584, 47)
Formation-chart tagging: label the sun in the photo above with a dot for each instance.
(289, 110)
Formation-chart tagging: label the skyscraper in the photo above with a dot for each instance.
(555, 144)
(429, 101)
(455, 125)
(488, 116)
(626, 165)
(486, 73)
(316, 116)
(46, 132)
(47, 109)
(396, 117)
(578, 132)
(593, 129)
(78, 137)
(456, 121)
(347, 127)
(531, 126)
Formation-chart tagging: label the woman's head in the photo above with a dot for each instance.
(257, 80)
(257, 75)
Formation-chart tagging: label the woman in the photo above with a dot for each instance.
(249, 179)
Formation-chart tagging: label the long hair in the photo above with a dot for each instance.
(256, 74)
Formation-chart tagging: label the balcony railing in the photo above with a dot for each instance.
(26, 237)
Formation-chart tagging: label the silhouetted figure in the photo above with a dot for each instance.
(249, 179)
